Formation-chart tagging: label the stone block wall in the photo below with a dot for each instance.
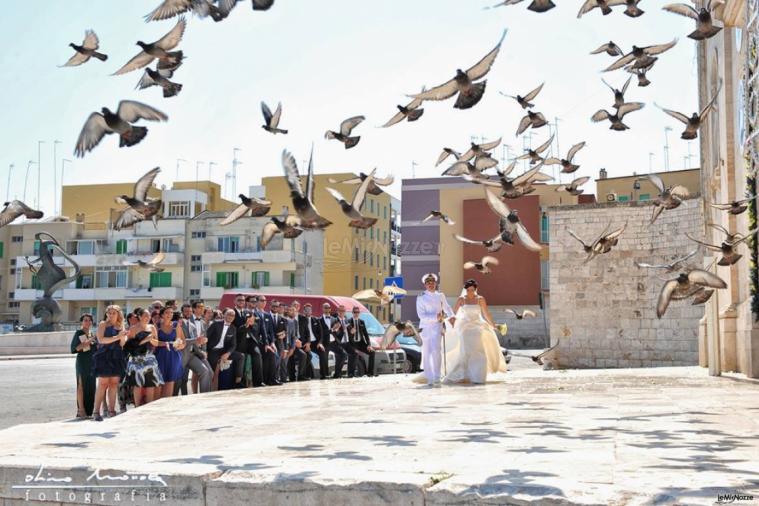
(604, 312)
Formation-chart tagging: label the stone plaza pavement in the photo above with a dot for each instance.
(622, 436)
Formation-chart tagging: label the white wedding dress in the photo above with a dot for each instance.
(472, 348)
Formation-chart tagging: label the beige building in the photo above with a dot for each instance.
(729, 332)
(631, 188)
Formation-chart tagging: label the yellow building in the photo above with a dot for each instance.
(353, 259)
(628, 188)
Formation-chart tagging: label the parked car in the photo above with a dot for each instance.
(413, 353)
(386, 361)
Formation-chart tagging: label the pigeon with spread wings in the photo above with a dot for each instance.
(14, 209)
(734, 207)
(346, 127)
(352, 209)
(727, 247)
(567, 167)
(616, 118)
(483, 266)
(631, 7)
(439, 215)
(288, 226)
(526, 313)
(511, 222)
(395, 329)
(704, 22)
(140, 206)
(469, 92)
(672, 266)
(252, 206)
(619, 95)
(694, 122)
(609, 48)
(641, 57)
(535, 6)
(160, 49)
(160, 77)
(87, 50)
(526, 101)
(669, 197)
(303, 202)
(411, 112)
(374, 186)
(534, 154)
(687, 284)
(202, 8)
(384, 296)
(445, 154)
(573, 188)
(589, 5)
(531, 119)
(271, 121)
(99, 124)
(151, 265)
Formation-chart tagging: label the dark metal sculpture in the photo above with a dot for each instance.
(51, 278)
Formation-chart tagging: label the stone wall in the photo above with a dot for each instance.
(604, 311)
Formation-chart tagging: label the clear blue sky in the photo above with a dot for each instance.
(327, 61)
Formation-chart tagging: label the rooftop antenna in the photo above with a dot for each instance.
(178, 162)
(413, 169)
(666, 148)
(8, 188)
(235, 163)
(210, 166)
(650, 162)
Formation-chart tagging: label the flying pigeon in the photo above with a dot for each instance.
(252, 205)
(384, 296)
(160, 49)
(704, 23)
(734, 207)
(609, 48)
(619, 95)
(641, 57)
(483, 266)
(469, 92)
(631, 7)
(567, 167)
(602, 244)
(694, 122)
(672, 266)
(374, 186)
(442, 217)
(346, 127)
(99, 124)
(271, 121)
(151, 265)
(616, 118)
(87, 50)
(393, 330)
(160, 77)
(534, 154)
(303, 202)
(669, 198)
(535, 5)
(573, 187)
(687, 284)
(532, 119)
(140, 206)
(288, 226)
(589, 5)
(527, 313)
(410, 112)
(14, 209)
(727, 247)
(445, 154)
(511, 222)
(353, 209)
(525, 101)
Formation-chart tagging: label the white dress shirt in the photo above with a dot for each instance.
(220, 344)
(310, 329)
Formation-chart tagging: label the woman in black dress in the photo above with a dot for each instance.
(142, 372)
(83, 344)
(108, 360)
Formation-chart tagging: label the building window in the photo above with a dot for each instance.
(355, 282)
(84, 281)
(371, 233)
(371, 260)
(179, 209)
(1, 249)
(155, 245)
(11, 295)
(111, 277)
(160, 279)
(364, 256)
(121, 247)
(544, 228)
(371, 282)
(17, 238)
(260, 278)
(363, 282)
(194, 292)
(195, 263)
(89, 310)
(14, 305)
(644, 196)
(384, 237)
(36, 282)
(384, 263)
(228, 244)
(623, 198)
(371, 205)
(384, 213)
(198, 235)
(292, 280)
(227, 280)
(355, 254)
(544, 274)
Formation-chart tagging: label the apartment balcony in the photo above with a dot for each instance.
(113, 259)
(87, 294)
(215, 292)
(265, 256)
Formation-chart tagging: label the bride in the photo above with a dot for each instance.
(472, 346)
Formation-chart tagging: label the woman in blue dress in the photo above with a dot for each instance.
(108, 360)
(168, 348)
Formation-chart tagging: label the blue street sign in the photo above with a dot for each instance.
(398, 280)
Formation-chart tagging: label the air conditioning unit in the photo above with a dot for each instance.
(611, 197)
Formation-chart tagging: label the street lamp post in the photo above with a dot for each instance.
(26, 180)
(179, 160)
(666, 148)
(63, 170)
(235, 163)
(39, 174)
(210, 166)
(8, 188)
(197, 173)
(55, 178)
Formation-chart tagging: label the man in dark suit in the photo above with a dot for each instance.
(222, 337)
(332, 344)
(279, 323)
(311, 337)
(359, 339)
(266, 339)
(340, 323)
(241, 316)
(250, 347)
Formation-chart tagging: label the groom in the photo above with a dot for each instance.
(432, 308)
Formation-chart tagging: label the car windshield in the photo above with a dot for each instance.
(373, 327)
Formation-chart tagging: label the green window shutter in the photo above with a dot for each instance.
(35, 282)
(1, 249)
(235, 279)
(266, 278)
(292, 280)
(121, 247)
(36, 247)
(154, 279)
(221, 279)
(165, 279)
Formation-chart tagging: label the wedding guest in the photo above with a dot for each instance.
(296, 356)
(266, 339)
(359, 338)
(108, 360)
(249, 346)
(201, 319)
(83, 344)
(330, 342)
(208, 316)
(169, 345)
(311, 337)
(193, 358)
(143, 374)
(222, 337)
(343, 338)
